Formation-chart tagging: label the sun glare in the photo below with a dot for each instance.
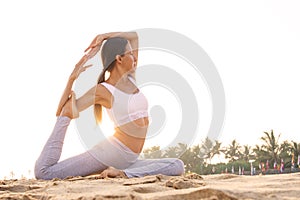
(107, 125)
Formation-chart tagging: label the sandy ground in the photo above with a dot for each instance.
(193, 186)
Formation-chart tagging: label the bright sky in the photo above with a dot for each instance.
(255, 46)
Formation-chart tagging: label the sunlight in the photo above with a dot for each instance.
(107, 126)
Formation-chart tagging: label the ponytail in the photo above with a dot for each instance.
(98, 107)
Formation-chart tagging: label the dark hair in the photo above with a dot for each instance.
(111, 48)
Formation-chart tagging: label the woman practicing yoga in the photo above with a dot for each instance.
(116, 156)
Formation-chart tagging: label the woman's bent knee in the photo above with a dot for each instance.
(44, 175)
(179, 165)
(176, 167)
(38, 173)
(41, 173)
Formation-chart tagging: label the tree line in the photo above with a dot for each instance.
(198, 158)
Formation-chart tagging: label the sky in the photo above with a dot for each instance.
(254, 45)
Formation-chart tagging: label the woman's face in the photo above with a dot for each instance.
(128, 59)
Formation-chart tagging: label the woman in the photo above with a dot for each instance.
(116, 156)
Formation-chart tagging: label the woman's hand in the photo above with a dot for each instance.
(97, 42)
(93, 51)
(95, 45)
(79, 67)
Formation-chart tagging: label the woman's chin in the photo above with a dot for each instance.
(133, 70)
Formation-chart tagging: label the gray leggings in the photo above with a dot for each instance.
(110, 152)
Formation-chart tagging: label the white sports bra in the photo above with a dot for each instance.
(126, 107)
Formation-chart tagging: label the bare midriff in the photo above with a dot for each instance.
(133, 134)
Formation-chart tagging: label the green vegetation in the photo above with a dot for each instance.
(199, 158)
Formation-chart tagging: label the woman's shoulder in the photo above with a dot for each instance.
(107, 86)
(103, 94)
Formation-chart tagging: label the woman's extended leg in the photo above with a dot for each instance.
(47, 165)
(165, 166)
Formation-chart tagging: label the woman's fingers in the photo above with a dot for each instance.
(88, 66)
(97, 41)
(93, 43)
(79, 68)
(87, 49)
(82, 69)
(82, 61)
(93, 52)
(92, 47)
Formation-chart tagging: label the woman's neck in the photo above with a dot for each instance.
(118, 79)
(117, 76)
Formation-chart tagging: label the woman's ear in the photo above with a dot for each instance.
(118, 58)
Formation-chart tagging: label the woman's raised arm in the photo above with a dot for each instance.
(79, 68)
(132, 37)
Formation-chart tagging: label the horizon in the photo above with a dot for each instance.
(216, 159)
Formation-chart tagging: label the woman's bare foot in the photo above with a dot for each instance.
(70, 109)
(111, 172)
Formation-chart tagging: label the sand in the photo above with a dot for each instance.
(193, 186)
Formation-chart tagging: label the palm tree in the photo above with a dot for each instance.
(206, 150)
(295, 150)
(216, 149)
(260, 153)
(247, 153)
(285, 150)
(232, 152)
(192, 159)
(271, 145)
(209, 149)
